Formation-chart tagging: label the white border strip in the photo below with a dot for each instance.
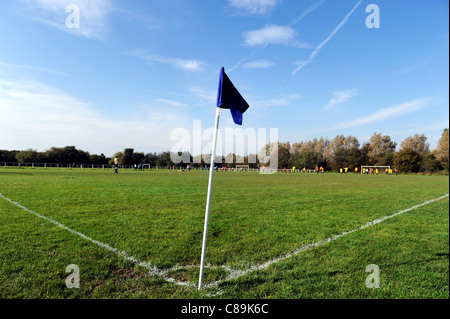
(233, 274)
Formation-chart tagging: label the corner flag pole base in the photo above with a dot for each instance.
(208, 199)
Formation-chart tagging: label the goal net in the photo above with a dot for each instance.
(375, 169)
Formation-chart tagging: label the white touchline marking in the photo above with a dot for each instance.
(233, 272)
(236, 273)
(153, 270)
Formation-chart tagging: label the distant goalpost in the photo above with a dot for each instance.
(374, 167)
(245, 168)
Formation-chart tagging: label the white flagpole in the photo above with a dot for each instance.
(208, 199)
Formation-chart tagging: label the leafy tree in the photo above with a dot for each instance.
(365, 159)
(335, 152)
(56, 155)
(151, 158)
(442, 151)
(164, 159)
(407, 160)
(351, 142)
(429, 163)
(8, 156)
(417, 143)
(138, 158)
(98, 159)
(309, 159)
(120, 157)
(317, 145)
(267, 153)
(128, 156)
(321, 145)
(338, 159)
(230, 160)
(72, 155)
(284, 155)
(333, 147)
(251, 160)
(338, 152)
(296, 147)
(386, 160)
(308, 145)
(414, 155)
(28, 156)
(381, 149)
(353, 158)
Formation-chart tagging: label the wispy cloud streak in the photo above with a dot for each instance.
(273, 34)
(34, 68)
(340, 97)
(296, 20)
(171, 103)
(188, 65)
(306, 12)
(36, 115)
(384, 114)
(94, 15)
(316, 51)
(258, 64)
(254, 6)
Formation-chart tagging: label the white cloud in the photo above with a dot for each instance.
(34, 68)
(340, 97)
(170, 103)
(34, 115)
(384, 114)
(258, 64)
(283, 100)
(296, 20)
(254, 6)
(209, 97)
(94, 15)
(204, 95)
(273, 34)
(188, 65)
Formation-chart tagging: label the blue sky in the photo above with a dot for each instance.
(136, 70)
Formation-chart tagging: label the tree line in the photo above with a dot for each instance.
(413, 156)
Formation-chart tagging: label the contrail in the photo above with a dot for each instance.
(306, 12)
(296, 20)
(320, 46)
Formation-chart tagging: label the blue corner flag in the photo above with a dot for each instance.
(229, 98)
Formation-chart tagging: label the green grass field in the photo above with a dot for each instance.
(157, 217)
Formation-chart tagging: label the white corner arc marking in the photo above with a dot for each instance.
(233, 273)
